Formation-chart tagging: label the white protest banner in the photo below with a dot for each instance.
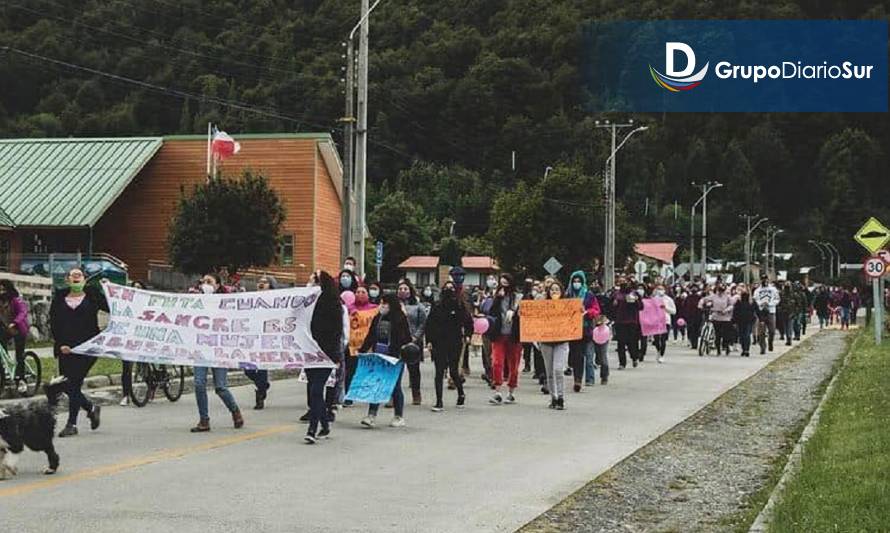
(249, 330)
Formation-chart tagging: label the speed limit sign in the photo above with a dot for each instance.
(875, 267)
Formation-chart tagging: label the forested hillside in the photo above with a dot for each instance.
(457, 86)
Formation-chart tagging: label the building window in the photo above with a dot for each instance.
(423, 279)
(5, 249)
(286, 250)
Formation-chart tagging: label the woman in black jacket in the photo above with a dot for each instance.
(387, 335)
(327, 329)
(446, 327)
(743, 315)
(73, 319)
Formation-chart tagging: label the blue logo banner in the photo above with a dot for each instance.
(736, 66)
(374, 380)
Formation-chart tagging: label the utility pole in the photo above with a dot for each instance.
(361, 150)
(348, 121)
(748, 247)
(609, 174)
(705, 188)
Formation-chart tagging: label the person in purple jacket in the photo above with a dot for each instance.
(15, 327)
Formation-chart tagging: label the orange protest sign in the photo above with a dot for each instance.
(359, 326)
(551, 320)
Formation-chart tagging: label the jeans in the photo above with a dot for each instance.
(260, 378)
(723, 332)
(127, 378)
(220, 378)
(602, 359)
(75, 368)
(555, 358)
(788, 328)
(628, 340)
(398, 398)
(745, 337)
(505, 352)
(767, 331)
(576, 360)
(414, 376)
(447, 359)
(589, 363)
(845, 317)
(797, 324)
(317, 378)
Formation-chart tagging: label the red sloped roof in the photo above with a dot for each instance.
(662, 251)
(481, 262)
(420, 262)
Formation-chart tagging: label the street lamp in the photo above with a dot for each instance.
(705, 188)
(547, 172)
(609, 185)
(818, 246)
(773, 253)
(748, 219)
(834, 249)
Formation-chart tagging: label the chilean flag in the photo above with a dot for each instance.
(223, 146)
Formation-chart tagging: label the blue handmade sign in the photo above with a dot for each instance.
(375, 379)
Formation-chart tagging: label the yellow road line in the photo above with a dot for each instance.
(164, 455)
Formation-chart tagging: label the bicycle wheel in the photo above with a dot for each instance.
(33, 373)
(175, 382)
(143, 383)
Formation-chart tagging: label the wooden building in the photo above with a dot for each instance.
(115, 198)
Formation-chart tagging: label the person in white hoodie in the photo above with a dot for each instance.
(670, 309)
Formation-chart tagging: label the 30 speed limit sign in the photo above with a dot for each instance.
(875, 267)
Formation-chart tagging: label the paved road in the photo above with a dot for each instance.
(482, 469)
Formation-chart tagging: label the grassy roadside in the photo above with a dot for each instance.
(103, 367)
(843, 483)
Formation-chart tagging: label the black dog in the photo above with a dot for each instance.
(33, 426)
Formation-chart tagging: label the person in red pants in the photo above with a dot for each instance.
(503, 313)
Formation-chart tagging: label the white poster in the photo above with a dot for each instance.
(248, 330)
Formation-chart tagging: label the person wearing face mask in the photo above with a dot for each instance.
(555, 356)
(720, 303)
(483, 301)
(73, 319)
(581, 355)
(679, 295)
(505, 348)
(14, 311)
(210, 284)
(627, 305)
(348, 281)
(643, 291)
(767, 299)
(388, 335)
(692, 314)
(374, 293)
(416, 314)
(363, 300)
(448, 324)
(667, 304)
(427, 297)
(744, 313)
(362, 304)
(260, 378)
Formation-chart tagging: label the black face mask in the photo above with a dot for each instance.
(448, 294)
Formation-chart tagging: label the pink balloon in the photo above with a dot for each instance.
(602, 334)
(480, 326)
(681, 322)
(348, 298)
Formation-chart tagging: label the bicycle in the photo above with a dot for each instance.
(33, 372)
(148, 378)
(707, 338)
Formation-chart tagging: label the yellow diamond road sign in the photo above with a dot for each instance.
(873, 235)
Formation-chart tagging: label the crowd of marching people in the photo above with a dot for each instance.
(458, 327)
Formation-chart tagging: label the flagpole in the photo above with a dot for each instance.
(209, 125)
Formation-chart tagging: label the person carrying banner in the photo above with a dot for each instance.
(389, 333)
(329, 325)
(447, 326)
(503, 312)
(556, 355)
(360, 312)
(260, 378)
(73, 319)
(211, 284)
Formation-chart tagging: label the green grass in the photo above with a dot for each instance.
(30, 345)
(844, 480)
(103, 367)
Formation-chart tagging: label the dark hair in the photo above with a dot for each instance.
(350, 258)
(510, 283)
(549, 291)
(412, 300)
(327, 318)
(9, 289)
(137, 282)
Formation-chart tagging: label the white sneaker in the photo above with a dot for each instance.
(510, 398)
(437, 409)
(369, 421)
(398, 422)
(125, 401)
(496, 399)
(22, 387)
(661, 359)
